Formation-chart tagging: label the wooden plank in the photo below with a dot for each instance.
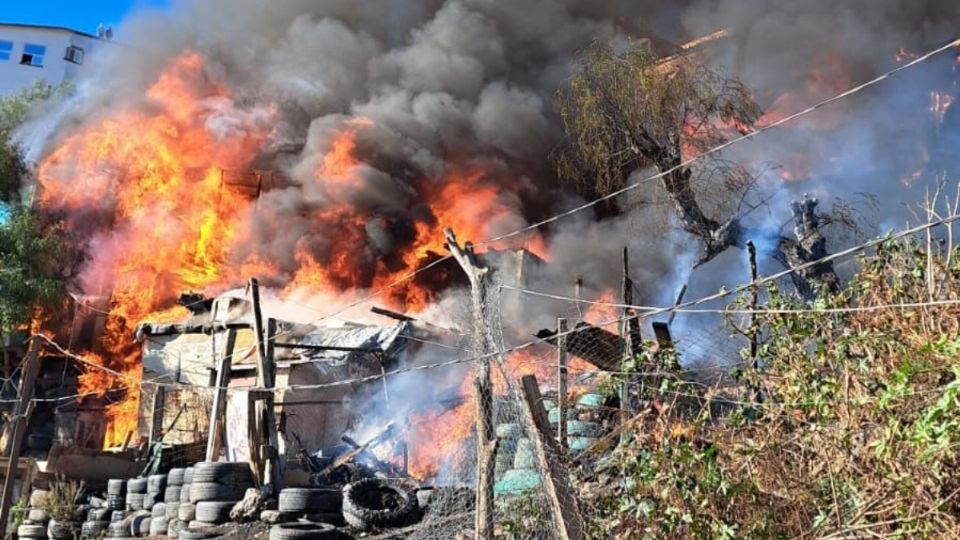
(156, 414)
(31, 366)
(256, 411)
(271, 471)
(563, 502)
(216, 430)
(348, 456)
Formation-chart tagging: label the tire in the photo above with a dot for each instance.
(187, 533)
(509, 431)
(149, 500)
(590, 401)
(309, 501)
(304, 531)
(136, 485)
(156, 483)
(119, 529)
(173, 528)
(158, 526)
(172, 494)
(116, 486)
(188, 475)
(117, 515)
(93, 529)
(38, 515)
(198, 525)
(579, 444)
(135, 501)
(173, 509)
(363, 510)
(187, 512)
(116, 501)
(214, 511)
(185, 493)
(175, 477)
(333, 518)
(140, 525)
(159, 510)
(216, 492)
(62, 530)
(230, 472)
(584, 429)
(31, 531)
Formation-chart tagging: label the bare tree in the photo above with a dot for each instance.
(628, 109)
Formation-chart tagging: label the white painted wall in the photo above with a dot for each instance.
(15, 76)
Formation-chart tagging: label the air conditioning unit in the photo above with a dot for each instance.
(74, 54)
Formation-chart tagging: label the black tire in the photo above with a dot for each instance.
(304, 531)
(229, 472)
(173, 509)
(172, 494)
(31, 531)
(185, 493)
(187, 512)
(136, 485)
(187, 533)
(140, 525)
(158, 526)
(216, 492)
(309, 501)
(333, 518)
(363, 506)
(214, 511)
(116, 486)
(175, 477)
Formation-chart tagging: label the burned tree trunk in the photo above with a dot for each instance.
(485, 347)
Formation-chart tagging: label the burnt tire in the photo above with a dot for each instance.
(229, 472)
(309, 501)
(304, 531)
(187, 512)
(175, 477)
(216, 492)
(136, 485)
(214, 511)
(376, 504)
(116, 486)
(31, 531)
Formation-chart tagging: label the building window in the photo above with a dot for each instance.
(74, 54)
(6, 48)
(33, 55)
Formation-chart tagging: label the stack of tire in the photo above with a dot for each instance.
(34, 527)
(116, 494)
(136, 493)
(313, 504)
(523, 475)
(186, 511)
(98, 519)
(583, 426)
(216, 488)
(508, 434)
(171, 502)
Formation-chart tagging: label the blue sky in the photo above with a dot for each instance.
(76, 14)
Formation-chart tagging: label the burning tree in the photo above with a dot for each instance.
(625, 110)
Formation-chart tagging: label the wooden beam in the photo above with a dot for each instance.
(347, 457)
(217, 426)
(156, 414)
(563, 501)
(31, 366)
(256, 412)
(268, 368)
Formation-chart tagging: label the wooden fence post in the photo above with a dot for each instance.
(216, 429)
(483, 346)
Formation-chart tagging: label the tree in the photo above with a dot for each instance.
(31, 252)
(624, 110)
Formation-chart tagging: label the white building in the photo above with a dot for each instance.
(31, 52)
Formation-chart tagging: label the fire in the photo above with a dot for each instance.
(940, 102)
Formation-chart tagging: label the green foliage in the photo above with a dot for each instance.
(856, 434)
(61, 503)
(30, 269)
(18, 513)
